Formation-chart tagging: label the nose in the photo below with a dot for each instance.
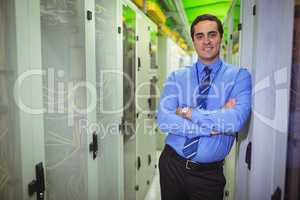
(206, 40)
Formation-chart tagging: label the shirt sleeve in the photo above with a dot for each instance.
(167, 119)
(230, 120)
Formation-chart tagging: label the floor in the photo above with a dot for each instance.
(154, 190)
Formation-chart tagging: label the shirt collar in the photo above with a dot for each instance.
(214, 66)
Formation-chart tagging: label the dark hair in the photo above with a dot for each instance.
(204, 18)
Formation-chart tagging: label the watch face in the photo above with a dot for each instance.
(184, 110)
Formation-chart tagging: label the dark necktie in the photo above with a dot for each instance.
(191, 144)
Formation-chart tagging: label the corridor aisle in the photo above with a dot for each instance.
(154, 190)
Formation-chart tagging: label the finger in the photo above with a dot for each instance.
(228, 104)
(232, 103)
(214, 133)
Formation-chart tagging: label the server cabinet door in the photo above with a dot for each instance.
(271, 98)
(69, 99)
(129, 101)
(21, 121)
(11, 179)
(109, 90)
(142, 102)
(150, 126)
(232, 56)
(247, 51)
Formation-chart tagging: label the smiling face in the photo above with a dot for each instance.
(207, 40)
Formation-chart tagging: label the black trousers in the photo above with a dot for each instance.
(180, 182)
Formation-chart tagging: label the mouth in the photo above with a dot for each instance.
(208, 49)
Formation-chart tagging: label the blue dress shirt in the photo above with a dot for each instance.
(181, 90)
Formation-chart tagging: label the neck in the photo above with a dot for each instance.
(208, 62)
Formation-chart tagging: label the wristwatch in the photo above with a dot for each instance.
(185, 110)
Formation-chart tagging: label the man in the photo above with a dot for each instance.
(201, 108)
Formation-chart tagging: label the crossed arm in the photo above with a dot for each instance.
(197, 122)
(188, 115)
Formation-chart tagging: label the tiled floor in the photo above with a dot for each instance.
(154, 190)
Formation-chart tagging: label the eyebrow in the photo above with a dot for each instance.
(201, 33)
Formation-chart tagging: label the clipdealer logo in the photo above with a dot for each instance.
(270, 95)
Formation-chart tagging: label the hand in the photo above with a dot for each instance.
(178, 111)
(187, 114)
(214, 133)
(230, 103)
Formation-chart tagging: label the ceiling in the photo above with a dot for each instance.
(179, 14)
(193, 8)
(219, 8)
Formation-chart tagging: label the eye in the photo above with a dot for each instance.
(199, 36)
(213, 34)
